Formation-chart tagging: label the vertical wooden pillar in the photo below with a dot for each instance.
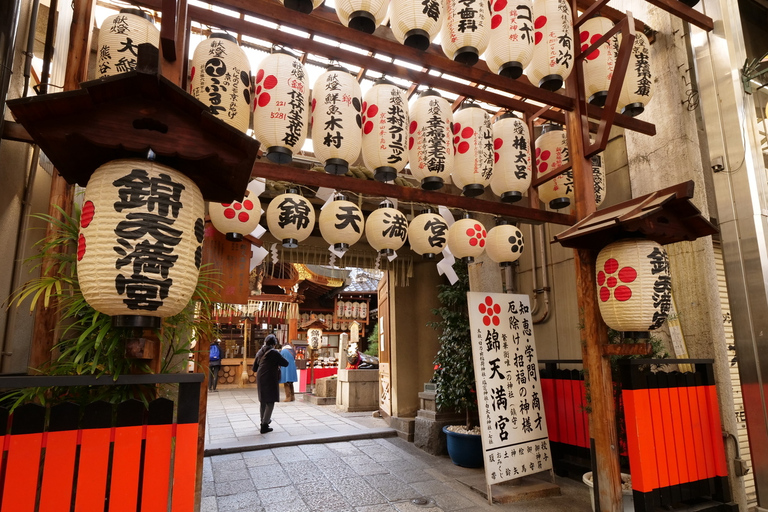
(293, 329)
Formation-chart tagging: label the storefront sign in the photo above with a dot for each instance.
(512, 421)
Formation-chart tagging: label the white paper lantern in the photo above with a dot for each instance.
(551, 153)
(290, 218)
(416, 23)
(347, 313)
(466, 30)
(430, 144)
(512, 171)
(341, 223)
(552, 60)
(505, 244)
(363, 310)
(305, 6)
(473, 144)
(336, 119)
(221, 79)
(600, 64)
(467, 239)
(140, 245)
(385, 130)
(119, 38)
(355, 310)
(237, 218)
(637, 88)
(633, 285)
(428, 234)
(362, 15)
(598, 175)
(510, 48)
(386, 229)
(339, 308)
(281, 106)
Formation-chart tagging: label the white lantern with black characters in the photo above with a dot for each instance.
(466, 30)
(305, 6)
(551, 153)
(511, 45)
(120, 35)
(385, 130)
(140, 245)
(467, 239)
(600, 64)
(290, 218)
(473, 145)
(416, 23)
(280, 106)
(237, 218)
(341, 223)
(362, 15)
(428, 234)
(430, 144)
(512, 171)
(633, 285)
(336, 120)
(314, 337)
(386, 229)
(505, 244)
(552, 60)
(637, 88)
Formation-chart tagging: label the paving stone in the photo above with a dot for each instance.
(314, 487)
(228, 465)
(376, 508)
(208, 504)
(209, 488)
(344, 449)
(234, 487)
(358, 492)
(450, 501)
(327, 501)
(277, 494)
(217, 459)
(303, 471)
(392, 487)
(289, 454)
(259, 458)
(243, 501)
(296, 504)
(266, 477)
(317, 451)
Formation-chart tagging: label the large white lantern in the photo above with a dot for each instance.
(430, 145)
(473, 145)
(466, 30)
(386, 229)
(467, 238)
(505, 244)
(415, 23)
(362, 15)
(512, 158)
(552, 60)
(511, 45)
(119, 38)
(221, 79)
(336, 119)
(237, 218)
(281, 106)
(633, 285)
(428, 234)
(305, 6)
(140, 245)
(290, 218)
(385, 130)
(341, 223)
(600, 64)
(637, 88)
(551, 153)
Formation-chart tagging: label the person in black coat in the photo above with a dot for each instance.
(267, 365)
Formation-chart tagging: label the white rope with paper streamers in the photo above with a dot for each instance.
(377, 265)
(273, 250)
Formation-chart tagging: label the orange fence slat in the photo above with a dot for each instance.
(660, 448)
(184, 468)
(706, 430)
(58, 471)
(126, 466)
(157, 468)
(668, 437)
(92, 470)
(21, 472)
(548, 396)
(676, 418)
(721, 466)
(640, 443)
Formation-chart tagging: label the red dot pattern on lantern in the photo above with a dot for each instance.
(587, 41)
(86, 216)
(610, 283)
(80, 247)
(369, 114)
(230, 210)
(477, 235)
(262, 97)
(538, 25)
(541, 160)
(490, 311)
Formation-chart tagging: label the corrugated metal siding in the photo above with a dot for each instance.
(749, 482)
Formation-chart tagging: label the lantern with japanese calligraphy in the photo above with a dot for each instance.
(363, 312)
(415, 23)
(466, 238)
(511, 45)
(339, 308)
(386, 229)
(637, 88)
(551, 153)
(119, 38)
(512, 158)
(314, 337)
(362, 15)
(305, 6)
(341, 223)
(281, 106)
(221, 79)
(140, 245)
(505, 243)
(385, 130)
(237, 218)
(600, 63)
(473, 143)
(336, 119)
(430, 142)
(428, 234)
(466, 30)
(633, 285)
(552, 59)
(355, 312)
(347, 311)
(290, 218)
(598, 175)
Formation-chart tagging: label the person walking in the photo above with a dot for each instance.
(288, 373)
(214, 364)
(267, 365)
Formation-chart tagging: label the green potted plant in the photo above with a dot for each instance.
(454, 376)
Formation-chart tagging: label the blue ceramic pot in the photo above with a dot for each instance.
(465, 450)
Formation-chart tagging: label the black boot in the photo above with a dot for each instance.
(266, 428)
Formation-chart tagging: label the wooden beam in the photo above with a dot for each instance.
(14, 131)
(168, 39)
(627, 349)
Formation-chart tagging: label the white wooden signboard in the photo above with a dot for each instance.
(512, 420)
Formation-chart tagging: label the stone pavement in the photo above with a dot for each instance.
(320, 460)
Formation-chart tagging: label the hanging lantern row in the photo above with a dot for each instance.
(119, 38)
(351, 309)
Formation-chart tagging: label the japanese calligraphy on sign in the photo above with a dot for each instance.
(512, 419)
(314, 337)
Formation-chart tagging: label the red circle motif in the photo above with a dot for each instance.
(496, 157)
(601, 278)
(413, 126)
(487, 320)
(463, 147)
(612, 282)
(622, 293)
(270, 82)
(540, 22)
(537, 37)
(583, 36)
(368, 128)
(605, 294)
(264, 100)
(496, 309)
(497, 143)
(546, 154)
(86, 216)
(611, 265)
(456, 128)
(499, 5)
(473, 242)
(481, 308)
(237, 206)
(495, 20)
(496, 320)
(80, 247)
(248, 204)
(489, 301)
(372, 111)
(259, 75)
(467, 132)
(627, 274)
(229, 213)
(243, 217)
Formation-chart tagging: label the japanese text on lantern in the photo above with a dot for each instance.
(523, 156)
(434, 139)
(396, 119)
(128, 51)
(296, 103)
(512, 419)
(661, 287)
